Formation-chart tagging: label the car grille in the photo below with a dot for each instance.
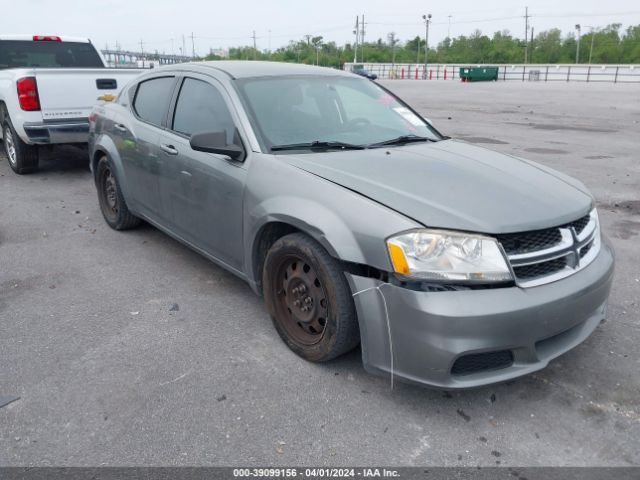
(542, 256)
(482, 362)
(540, 269)
(517, 243)
(578, 224)
(584, 250)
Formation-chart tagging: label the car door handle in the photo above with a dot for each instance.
(168, 149)
(186, 174)
(119, 126)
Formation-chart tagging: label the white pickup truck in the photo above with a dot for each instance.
(48, 86)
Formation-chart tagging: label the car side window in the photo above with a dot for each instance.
(152, 99)
(201, 108)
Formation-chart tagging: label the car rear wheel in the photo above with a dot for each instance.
(112, 204)
(23, 158)
(309, 300)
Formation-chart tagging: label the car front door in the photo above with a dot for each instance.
(202, 192)
(138, 148)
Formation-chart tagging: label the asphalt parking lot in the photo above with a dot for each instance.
(130, 349)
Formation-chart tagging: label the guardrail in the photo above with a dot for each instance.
(509, 72)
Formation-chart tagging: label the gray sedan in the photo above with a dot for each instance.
(356, 220)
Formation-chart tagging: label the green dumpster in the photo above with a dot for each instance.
(478, 74)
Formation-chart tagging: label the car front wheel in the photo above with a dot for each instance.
(309, 299)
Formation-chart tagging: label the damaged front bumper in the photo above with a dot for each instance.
(469, 338)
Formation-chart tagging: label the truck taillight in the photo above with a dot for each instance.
(28, 94)
(46, 38)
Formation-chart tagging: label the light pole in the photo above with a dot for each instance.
(578, 44)
(427, 20)
(593, 36)
(449, 28)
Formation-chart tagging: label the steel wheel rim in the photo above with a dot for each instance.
(109, 193)
(10, 146)
(302, 307)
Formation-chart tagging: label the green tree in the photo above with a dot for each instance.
(610, 45)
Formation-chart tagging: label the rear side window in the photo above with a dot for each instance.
(201, 108)
(48, 54)
(152, 99)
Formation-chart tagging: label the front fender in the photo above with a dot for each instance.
(313, 218)
(348, 225)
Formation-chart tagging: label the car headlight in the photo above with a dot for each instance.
(448, 256)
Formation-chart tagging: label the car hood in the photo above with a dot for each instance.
(455, 185)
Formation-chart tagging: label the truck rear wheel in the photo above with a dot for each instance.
(23, 158)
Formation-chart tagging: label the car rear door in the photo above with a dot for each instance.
(203, 191)
(138, 143)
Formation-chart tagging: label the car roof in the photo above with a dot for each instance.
(25, 37)
(248, 69)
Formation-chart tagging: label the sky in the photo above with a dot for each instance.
(161, 24)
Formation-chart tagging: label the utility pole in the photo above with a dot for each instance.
(117, 54)
(184, 47)
(578, 43)
(193, 47)
(449, 28)
(418, 56)
(362, 38)
(142, 51)
(427, 20)
(531, 42)
(255, 49)
(357, 34)
(526, 34)
(531, 45)
(392, 42)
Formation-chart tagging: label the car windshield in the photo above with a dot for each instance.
(305, 112)
(48, 54)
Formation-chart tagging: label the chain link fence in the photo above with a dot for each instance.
(508, 72)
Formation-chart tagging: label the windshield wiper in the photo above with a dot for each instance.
(318, 144)
(402, 139)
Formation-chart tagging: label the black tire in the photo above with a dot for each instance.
(114, 208)
(22, 157)
(329, 328)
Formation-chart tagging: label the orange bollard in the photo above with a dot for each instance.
(402, 73)
(430, 73)
(445, 73)
(416, 73)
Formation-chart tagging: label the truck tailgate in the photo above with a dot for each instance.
(69, 93)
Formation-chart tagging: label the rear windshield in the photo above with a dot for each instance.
(48, 54)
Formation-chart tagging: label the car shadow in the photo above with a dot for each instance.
(348, 367)
(64, 158)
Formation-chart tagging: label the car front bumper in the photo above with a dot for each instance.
(419, 336)
(46, 133)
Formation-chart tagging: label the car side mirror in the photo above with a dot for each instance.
(216, 142)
